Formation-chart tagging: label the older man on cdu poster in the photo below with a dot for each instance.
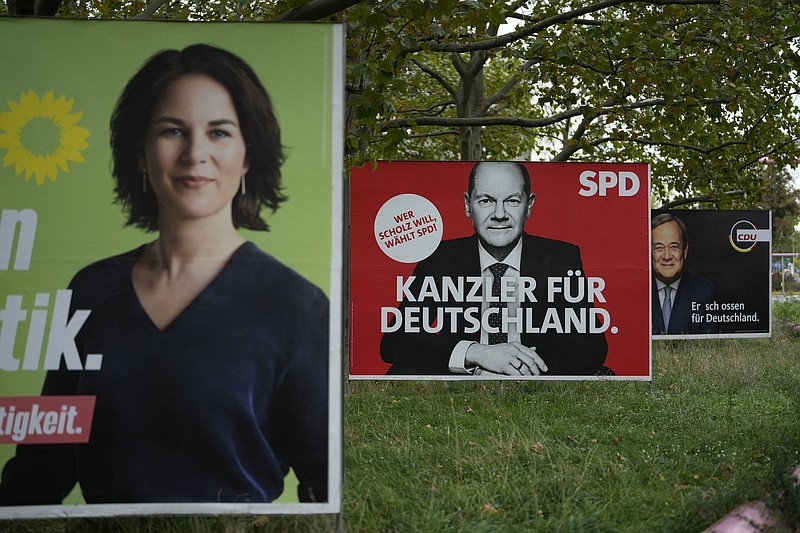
(677, 291)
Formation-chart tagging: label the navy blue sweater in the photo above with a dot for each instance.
(214, 408)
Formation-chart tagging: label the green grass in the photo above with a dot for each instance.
(718, 425)
(788, 310)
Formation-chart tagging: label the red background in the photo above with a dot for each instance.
(84, 406)
(611, 231)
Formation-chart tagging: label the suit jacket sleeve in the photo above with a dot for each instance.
(421, 352)
(569, 351)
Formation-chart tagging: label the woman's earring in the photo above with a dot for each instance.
(144, 181)
(244, 188)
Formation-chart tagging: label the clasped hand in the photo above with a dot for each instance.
(510, 358)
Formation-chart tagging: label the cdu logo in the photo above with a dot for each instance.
(744, 235)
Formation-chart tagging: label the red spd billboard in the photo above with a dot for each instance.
(500, 270)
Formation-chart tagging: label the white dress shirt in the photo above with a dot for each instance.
(513, 259)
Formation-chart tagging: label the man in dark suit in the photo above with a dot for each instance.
(525, 316)
(679, 295)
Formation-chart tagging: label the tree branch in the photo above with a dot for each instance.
(151, 8)
(435, 134)
(570, 149)
(771, 151)
(605, 108)
(317, 10)
(435, 75)
(706, 198)
(434, 110)
(504, 90)
(533, 20)
(454, 122)
(527, 31)
(683, 146)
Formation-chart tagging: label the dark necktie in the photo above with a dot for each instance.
(497, 269)
(666, 307)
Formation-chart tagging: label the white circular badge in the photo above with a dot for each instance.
(408, 228)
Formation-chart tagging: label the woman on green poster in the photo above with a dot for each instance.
(214, 374)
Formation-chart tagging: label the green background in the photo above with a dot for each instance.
(90, 62)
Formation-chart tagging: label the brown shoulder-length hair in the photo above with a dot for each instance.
(257, 122)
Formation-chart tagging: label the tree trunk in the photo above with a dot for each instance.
(469, 104)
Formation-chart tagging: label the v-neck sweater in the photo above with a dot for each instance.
(213, 408)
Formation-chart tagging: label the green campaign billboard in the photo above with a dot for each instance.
(159, 351)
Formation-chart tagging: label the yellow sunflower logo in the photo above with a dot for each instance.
(40, 136)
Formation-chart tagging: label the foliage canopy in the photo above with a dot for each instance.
(701, 89)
